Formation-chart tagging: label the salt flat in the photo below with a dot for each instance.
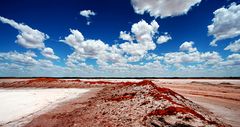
(16, 104)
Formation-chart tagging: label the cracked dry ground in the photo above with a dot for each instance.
(130, 104)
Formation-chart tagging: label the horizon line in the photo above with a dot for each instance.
(16, 77)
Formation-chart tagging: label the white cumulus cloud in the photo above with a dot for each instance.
(90, 48)
(226, 23)
(87, 14)
(137, 44)
(234, 47)
(27, 37)
(30, 38)
(143, 34)
(15, 63)
(191, 56)
(48, 53)
(163, 8)
(74, 39)
(25, 59)
(234, 57)
(164, 38)
(187, 46)
(232, 60)
(125, 36)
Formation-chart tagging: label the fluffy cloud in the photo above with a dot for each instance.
(113, 55)
(234, 47)
(187, 46)
(125, 36)
(27, 37)
(30, 38)
(232, 60)
(177, 58)
(211, 58)
(181, 57)
(225, 23)
(118, 59)
(26, 64)
(87, 14)
(152, 56)
(234, 57)
(143, 34)
(139, 42)
(94, 49)
(48, 53)
(87, 48)
(74, 39)
(164, 38)
(163, 8)
(192, 56)
(25, 59)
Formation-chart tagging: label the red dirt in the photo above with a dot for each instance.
(174, 110)
(121, 104)
(126, 96)
(41, 80)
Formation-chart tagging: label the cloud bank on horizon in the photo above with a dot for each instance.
(135, 51)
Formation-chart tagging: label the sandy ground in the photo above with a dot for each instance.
(219, 96)
(222, 97)
(17, 106)
(128, 104)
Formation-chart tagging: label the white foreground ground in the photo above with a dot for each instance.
(17, 105)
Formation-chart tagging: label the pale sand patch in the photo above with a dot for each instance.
(19, 104)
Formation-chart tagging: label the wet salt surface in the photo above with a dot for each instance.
(16, 104)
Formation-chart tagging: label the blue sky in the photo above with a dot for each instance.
(120, 38)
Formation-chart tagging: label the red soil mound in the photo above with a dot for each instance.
(129, 104)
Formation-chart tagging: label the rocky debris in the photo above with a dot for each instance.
(132, 104)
